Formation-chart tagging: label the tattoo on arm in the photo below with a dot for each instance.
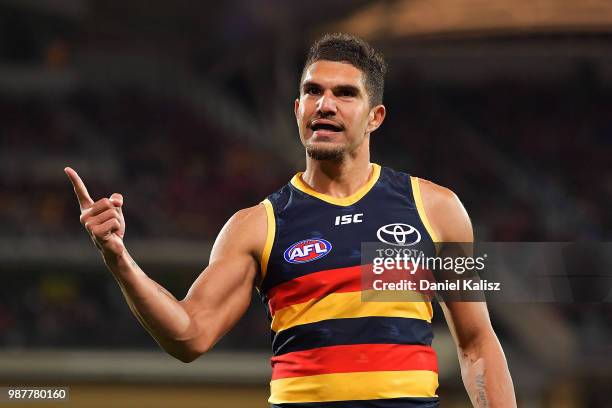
(481, 398)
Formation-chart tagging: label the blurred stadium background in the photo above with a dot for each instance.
(185, 107)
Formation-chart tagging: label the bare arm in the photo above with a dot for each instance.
(483, 365)
(217, 299)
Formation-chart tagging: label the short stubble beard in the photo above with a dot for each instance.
(336, 155)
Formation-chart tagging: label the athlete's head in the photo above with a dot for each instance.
(341, 92)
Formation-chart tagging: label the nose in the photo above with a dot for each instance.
(326, 105)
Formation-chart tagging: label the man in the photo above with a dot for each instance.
(301, 249)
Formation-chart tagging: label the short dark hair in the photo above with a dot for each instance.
(343, 47)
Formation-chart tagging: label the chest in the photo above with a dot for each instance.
(314, 236)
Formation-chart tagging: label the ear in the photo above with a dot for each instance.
(376, 118)
(296, 106)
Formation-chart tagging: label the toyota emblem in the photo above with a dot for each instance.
(398, 234)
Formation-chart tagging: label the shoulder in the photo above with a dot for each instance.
(437, 196)
(445, 212)
(249, 216)
(245, 231)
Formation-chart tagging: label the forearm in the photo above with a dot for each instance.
(172, 324)
(159, 312)
(485, 374)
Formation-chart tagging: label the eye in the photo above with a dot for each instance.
(312, 90)
(346, 92)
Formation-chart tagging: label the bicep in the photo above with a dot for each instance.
(220, 296)
(222, 293)
(467, 321)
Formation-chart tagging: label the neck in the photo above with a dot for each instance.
(339, 178)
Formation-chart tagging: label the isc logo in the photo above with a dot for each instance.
(307, 250)
(348, 219)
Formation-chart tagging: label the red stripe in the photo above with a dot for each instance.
(314, 286)
(319, 284)
(354, 358)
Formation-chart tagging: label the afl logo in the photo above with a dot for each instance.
(399, 234)
(307, 250)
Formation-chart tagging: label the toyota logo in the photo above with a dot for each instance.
(398, 234)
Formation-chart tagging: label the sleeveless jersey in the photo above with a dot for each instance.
(330, 348)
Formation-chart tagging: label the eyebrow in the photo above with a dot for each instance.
(341, 87)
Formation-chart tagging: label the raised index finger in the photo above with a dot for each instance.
(80, 190)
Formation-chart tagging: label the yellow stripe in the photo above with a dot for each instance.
(342, 201)
(346, 306)
(265, 255)
(354, 386)
(416, 191)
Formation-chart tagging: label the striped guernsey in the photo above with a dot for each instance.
(331, 348)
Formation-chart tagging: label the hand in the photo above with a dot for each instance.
(102, 219)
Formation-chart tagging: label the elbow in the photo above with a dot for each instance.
(470, 351)
(186, 358)
(484, 346)
(190, 353)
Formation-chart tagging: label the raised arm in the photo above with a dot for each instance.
(483, 365)
(217, 299)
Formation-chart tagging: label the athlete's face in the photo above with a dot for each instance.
(333, 111)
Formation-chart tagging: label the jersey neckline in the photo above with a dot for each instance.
(298, 183)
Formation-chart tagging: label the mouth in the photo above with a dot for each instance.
(325, 127)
